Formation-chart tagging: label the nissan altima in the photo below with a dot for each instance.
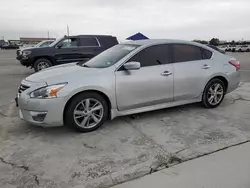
(129, 78)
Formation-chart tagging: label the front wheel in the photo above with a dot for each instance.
(86, 112)
(41, 64)
(213, 94)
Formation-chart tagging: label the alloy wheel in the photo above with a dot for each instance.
(42, 65)
(88, 113)
(215, 94)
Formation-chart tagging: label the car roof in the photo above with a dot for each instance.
(92, 36)
(161, 41)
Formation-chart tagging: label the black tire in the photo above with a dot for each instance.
(205, 95)
(69, 111)
(39, 61)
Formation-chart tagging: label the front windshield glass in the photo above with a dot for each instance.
(55, 42)
(110, 56)
(39, 44)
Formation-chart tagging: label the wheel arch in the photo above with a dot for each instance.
(43, 57)
(105, 96)
(220, 77)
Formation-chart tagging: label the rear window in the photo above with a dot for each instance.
(185, 52)
(206, 54)
(89, 42)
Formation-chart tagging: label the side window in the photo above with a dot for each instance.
(185, 52)
(89, 42)
(68, 43)
(153, 55)
(206, 54)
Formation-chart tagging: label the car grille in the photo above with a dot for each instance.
(22, 88)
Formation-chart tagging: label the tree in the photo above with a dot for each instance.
(214, 41)
(201, 41)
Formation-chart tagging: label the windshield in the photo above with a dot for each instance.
(43, 44)
(55, 42)
(110, 56)
(39, 44)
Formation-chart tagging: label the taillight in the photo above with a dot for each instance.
(235, 63)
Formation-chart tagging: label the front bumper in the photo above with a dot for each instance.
(44, 112)
(25, 61)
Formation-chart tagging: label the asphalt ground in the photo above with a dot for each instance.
(123, 149)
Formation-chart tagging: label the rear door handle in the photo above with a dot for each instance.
(205, 67)
(166, 73)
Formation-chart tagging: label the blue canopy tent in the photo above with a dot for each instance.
(137, 36)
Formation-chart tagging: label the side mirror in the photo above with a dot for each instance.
(133, 65)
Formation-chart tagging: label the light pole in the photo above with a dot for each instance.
(67, 30)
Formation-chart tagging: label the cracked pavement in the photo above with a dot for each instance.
(123, 149)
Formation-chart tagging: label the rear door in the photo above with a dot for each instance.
(192, 67)
(151, 85)
(67, 50)
(89, 48)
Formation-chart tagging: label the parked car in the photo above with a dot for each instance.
(242, 48)
(231, 48)
(66, 50)
(41, 44)
(223, 48)
(217, 49)
(9, 46)
(128, 78)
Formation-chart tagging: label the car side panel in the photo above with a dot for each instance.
(190, 78)
(144, 87)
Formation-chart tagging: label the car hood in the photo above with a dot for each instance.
(26, 48)
(62, 73)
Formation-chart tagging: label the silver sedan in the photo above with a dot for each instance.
(128, 78)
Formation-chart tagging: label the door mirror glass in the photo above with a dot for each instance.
(133, 65)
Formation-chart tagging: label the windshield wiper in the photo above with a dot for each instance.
(84, 65)
(80, 63)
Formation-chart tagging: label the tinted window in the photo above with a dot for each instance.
(184, 52)
(89, 42)
(206, 54)
(154, 55)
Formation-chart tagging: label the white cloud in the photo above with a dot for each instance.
(185, 19)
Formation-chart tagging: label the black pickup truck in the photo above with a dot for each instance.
(65, 50)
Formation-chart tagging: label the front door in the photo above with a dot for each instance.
(151, 85)
(67, 51)
(192, 68)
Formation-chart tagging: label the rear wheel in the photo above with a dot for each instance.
(86, 112)
(214, 93)
(41, 64)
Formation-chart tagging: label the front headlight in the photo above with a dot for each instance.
(47, 92)
(26, 53)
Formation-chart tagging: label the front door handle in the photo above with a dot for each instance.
(205, 67)
(166, 73)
